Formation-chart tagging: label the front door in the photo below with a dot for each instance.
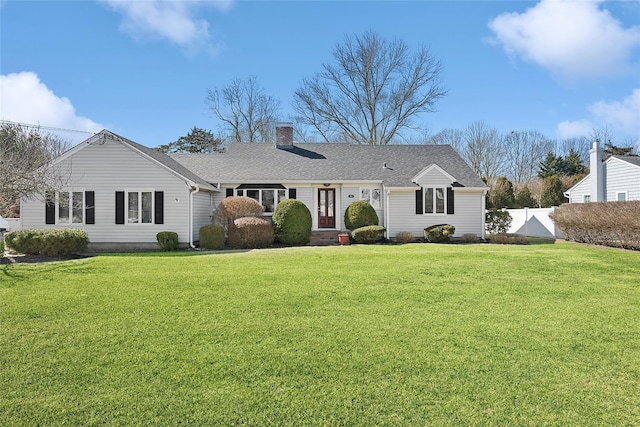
(326, 208)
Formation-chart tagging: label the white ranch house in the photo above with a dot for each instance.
(616, 179)
(123, 193)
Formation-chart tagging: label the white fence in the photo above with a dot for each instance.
(534, 222)
(10, 224)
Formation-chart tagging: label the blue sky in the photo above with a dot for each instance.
(142, 68)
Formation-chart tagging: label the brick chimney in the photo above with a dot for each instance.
(596, 173)
(284, 135)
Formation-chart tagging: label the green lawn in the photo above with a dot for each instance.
(360, 335)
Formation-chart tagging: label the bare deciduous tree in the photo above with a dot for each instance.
(484, 150)
(523, 150)
(24, 163)
(580, 145)
(449, 136)
(372, 92)
(247, 112)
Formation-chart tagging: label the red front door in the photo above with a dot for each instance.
(326, 208)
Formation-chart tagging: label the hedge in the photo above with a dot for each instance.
(440, 233)
(168, 240)
(614, 224)
(47, 242)
(360, 214)
(368, 234)
(292, 222)
(250, 233)
(212, 236)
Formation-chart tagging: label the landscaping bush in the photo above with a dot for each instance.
(469, 238)
(498, 221)
(292, 222)
(212, 236)
(404, 237)
(368, 234)
(233, 208)
(440, 233)
(168, 240)
(47, 242)
(509, 239)
(1, 248)
(250, 233)
(614, 224)
(360, 214)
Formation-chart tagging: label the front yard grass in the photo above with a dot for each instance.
(413, 334)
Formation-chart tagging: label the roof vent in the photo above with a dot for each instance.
(384, 165)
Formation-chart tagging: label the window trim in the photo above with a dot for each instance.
(242, 190)
(139, 222)
(434, 200)
(586, 198)
(378, 205)
(626, 196)
(56, 208)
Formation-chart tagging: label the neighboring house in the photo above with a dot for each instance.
(410, 186)
(615, 179)
(122, 194)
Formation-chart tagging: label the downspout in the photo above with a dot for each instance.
(197, 190)
(385, 200)
(484, 215)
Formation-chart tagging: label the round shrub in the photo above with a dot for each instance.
(250, 233)
(292, 222)
(360, 214)
(47, 242)
(498, 221)
(168, 240)
(233, 208)
(368, 234)
(212, 237)
(440, 233)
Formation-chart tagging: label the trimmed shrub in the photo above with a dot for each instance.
(360, 214)
(47, 242)
(404, 237)
(440, 233)
(233, 208)
(168, 240)
(469, 238)
(614, 224)
(292, 222)
(509, 239)
(250, 233)
(212, 236)
(1, 248)
(498, 221)
(368, 234)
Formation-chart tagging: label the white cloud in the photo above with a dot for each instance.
(570, 38)
(170, 20)
(25, 99)
(574, 129)
(622, 117)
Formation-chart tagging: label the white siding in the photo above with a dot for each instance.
(202, 212)
(621, 176)
(580, 190)
(434, 178)
(112, 167)
(468, 216)
(350, 194)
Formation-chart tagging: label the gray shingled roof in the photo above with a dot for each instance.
(321, 162)
(634, 160)
(165, 160)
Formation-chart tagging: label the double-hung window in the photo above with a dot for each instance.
(435, 201)
(268, 197)
(373, 196)
(139, 207)
(69, 207)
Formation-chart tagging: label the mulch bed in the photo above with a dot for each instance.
(34, 259)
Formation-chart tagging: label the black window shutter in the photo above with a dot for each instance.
(419, 202)
(89, 207)
(450, 209)
(229, 192)
(119, 207)
(292, 193)
(49, 207)
(159, 207)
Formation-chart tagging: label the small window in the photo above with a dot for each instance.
(586, 198)
(435, 200)
(373, 196)
(140, 207)
(621, 196)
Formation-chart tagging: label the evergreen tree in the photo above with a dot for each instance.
(524, 199)
(501, 195)
(551, 165)
(196, 141)
(552, 194)
(573, 165)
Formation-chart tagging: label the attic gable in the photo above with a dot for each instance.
(433, 175)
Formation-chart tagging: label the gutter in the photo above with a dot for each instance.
(191, 193)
